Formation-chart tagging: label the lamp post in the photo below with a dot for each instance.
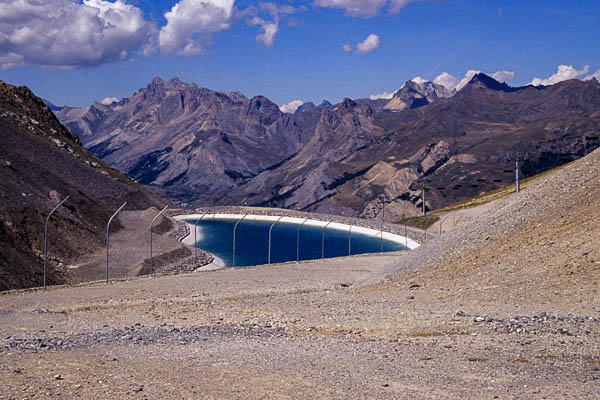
(298, 240)
(383, 200)
(157, 215)
(323, 241)
(350, 240)
(196, 239)
(46, 235)
(270, 231)
(108, 236)
(234, 230)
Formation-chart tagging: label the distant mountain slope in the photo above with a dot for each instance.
(41, 163)
(416, 94)
(203, 147)
(184, 140)
(457, 145)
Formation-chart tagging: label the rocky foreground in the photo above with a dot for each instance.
(505, 306)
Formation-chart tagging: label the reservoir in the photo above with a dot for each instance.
(215, 235)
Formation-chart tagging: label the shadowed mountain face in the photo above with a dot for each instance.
(206, 147)
(41, 164)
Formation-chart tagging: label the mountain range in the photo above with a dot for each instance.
(200, 147)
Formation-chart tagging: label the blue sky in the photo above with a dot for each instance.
(300, 56)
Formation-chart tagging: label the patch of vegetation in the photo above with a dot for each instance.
(422, 222)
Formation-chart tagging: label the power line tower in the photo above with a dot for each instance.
(518, 158)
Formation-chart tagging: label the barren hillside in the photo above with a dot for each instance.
(503, 307)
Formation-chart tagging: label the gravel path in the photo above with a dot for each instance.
(506, 306)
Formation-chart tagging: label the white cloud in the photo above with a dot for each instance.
(564, 72)
(368, 45)
(503, 76)
(347, 48)
(447, 80)
(396, 6)
(452, 82)
(382, 96)
(67, 34)
(419, 80)
(269, 28)
(190, 24)
(594, 75)
(291, 107)
(109, 100)
(364, 8)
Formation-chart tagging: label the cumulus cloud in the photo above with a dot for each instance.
(368, 45)
(382, 96)
(447, 80)
(503, 76)
(451, 82)
(419, 80)
(594, 75)
(365, 8)
(109, 100)
(564, 72)
(291, 107)
(191, 23)
(269, 28)
(67, 34)
(347, 48)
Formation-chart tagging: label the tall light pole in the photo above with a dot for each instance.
(518, 159)
(323, 240)
(46, 235)
(298, 240)
(157, 215)
(423, 199)
(270, 231)
(196, 239)
(108, 236)
(234, 230)
(383, 200)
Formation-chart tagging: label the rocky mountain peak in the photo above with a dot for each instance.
(482, 80)
(415, 94)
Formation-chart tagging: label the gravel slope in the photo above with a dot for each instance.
(503, 307)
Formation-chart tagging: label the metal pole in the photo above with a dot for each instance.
(381, 237)
(157, 215)
(517, 175)
(298, 240)
(381, 226)
(323, 241)
(350, 240)
(234, 230)
(196, 240)
(270, 230)
(423, 198)
(46, 235)
(108, 236)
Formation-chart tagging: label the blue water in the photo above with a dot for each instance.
(252, 242)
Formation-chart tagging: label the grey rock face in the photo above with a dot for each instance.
(188, 141)
(414, 95)
(209, 148)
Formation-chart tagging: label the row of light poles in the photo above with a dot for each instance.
(297, 238)
(107, 236)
